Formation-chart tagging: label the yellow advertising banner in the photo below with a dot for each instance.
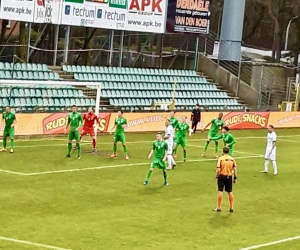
(285, 119)
(51, 124)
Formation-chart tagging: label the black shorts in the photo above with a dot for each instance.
(225, 182)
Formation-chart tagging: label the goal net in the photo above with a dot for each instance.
(35, 101)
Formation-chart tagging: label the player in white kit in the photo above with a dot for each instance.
(169, 138)
(271, 150)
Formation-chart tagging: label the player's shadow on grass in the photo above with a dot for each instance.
(150, 190)
(223, 219)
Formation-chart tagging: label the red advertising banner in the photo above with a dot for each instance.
(249, 120)
(56, 123)
(51, 124)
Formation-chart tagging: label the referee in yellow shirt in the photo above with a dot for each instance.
(225, 167)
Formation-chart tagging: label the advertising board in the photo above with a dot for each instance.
(52, 124)
(186, 16)
(147, 15)
(97, 14)
(19, 10)
(131, 15)
(47, 11)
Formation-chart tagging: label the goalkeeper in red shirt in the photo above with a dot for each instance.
(90, 123)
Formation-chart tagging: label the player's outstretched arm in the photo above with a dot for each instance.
(113, 128)
(150, 154)
(216, 138)
(125, 124)
(273, 146)
(68, 123)
(208, 124)
(165, 156)
(14, 123)
(218, 170)
(234, 173)
(232, 141)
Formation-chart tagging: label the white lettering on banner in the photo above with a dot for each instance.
(118, 2)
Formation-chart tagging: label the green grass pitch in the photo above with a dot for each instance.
(100, 203)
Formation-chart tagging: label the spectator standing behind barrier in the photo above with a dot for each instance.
(195, 117)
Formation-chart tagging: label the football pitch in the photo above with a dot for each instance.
(51, 202)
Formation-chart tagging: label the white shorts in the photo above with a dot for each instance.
(170, 147)
(271, 156)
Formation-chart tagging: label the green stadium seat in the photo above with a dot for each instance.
(2, 75)
(34, 67)
(39, 67)
(41, 75)
(69, 68)
(8, 75)
(2, 66)
(7, 66)
(56, 77)
(75, 69)
(17, 66)
(65, 68)
(45, 68)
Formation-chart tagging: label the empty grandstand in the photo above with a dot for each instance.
(129, 88)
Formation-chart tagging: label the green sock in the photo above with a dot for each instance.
(125, 149)
(78, 148)
(4, 143)
(115, 148)
(175, 151)
(206, 146)
(12, 143)
(216, 147)
(184, 154)
(69, 148)
(149, 174)
(165, 175)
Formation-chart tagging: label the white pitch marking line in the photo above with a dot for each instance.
(11, 172)
(132, 142)
(289, 141)
(31, 243)
(48, 145)
(247, 153)
(122, 165)
(271, 243)
(65, 139)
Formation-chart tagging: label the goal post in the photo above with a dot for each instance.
(38, 96)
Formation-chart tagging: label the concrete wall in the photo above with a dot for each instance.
(227, 80)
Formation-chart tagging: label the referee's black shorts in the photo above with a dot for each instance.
(225, 182)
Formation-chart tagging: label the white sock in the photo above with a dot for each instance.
(169, 157)
(266, 165)
(173, 161)
(274, 166)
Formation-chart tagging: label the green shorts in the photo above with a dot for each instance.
(74, 135)
(158, 163)
(180, 141)
(119, 137)
(212, 134)
(9, 132)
